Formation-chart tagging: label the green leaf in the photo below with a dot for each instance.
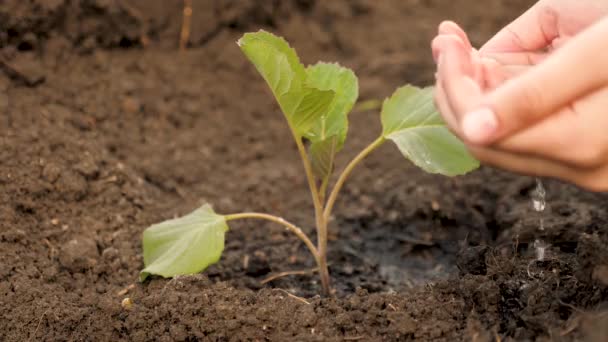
(280, 66)
(329, 131)
(322, 156)
(307, 107)
(409, 119)
(343, 82)
(185, 245)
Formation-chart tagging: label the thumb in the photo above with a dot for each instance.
(576, 69)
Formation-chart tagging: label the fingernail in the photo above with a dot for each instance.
(480, 125)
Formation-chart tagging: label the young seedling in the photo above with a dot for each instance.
(316, 101)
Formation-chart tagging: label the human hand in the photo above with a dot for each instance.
(531, 100)
(527, 40)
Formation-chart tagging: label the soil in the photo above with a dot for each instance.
(107, 128)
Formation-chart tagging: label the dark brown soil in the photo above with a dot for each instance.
(106, 128)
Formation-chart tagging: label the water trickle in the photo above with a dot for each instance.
(539, 203)
(538, 196)
(541, 249)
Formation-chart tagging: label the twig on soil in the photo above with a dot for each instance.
(39, 322)
(288, 273)
(300, 299)
(125, 290)
(186, 23)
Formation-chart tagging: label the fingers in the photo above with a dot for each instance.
(516, 58)
(594, 180)
(438, 44)
(533, 30)
(450, 27)
(442, 103)
(541, 91)
(520, 163)
(504, 94)
(452, 30)
(495, 74)
(575, 136)
(456, 78)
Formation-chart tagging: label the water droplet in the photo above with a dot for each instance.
(539, 203)
(538, 196)
(541, 248)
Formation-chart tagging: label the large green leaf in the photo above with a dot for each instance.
(280, 66)
(409, 119)
(185, 245)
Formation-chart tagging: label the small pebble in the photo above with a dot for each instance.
(127, 304)
(51, 172)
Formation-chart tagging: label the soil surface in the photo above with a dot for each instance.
(106, 128)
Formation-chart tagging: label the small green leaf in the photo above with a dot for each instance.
(409, 119)
(280, 66)
(185, 245)
(343, 82)
(322, 156)
(329, 131)
(307, 107)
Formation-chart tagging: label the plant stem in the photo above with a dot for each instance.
(324, 221)
(316, 200)
(290, 226)
(323, 269)
(312, 185)
(344, 175)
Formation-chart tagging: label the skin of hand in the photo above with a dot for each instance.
(533, 99)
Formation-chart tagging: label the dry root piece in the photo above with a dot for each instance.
(184, 36)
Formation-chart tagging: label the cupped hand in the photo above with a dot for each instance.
(534, 99)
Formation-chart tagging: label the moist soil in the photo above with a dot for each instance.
(106, 128)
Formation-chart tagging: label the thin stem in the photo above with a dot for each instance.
(314, 191)
(316, 200)
(290, 226)
(344, 175)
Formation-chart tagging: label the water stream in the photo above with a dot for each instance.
(538, 204)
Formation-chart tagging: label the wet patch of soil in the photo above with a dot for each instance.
(106, 128)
